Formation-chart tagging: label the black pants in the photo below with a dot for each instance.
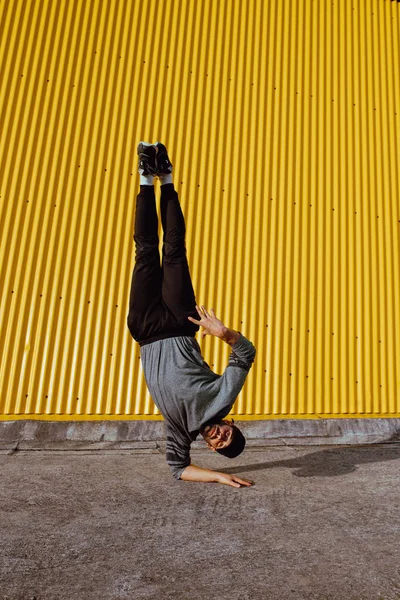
(162, 296)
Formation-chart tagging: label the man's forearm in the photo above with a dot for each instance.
(193, 473)
(230, 336)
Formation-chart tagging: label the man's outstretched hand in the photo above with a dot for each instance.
(233, 480)
(194, 473)
(213, 326)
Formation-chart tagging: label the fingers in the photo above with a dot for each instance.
(194, 321)
(237, 483)
(234, 481)
(245, 482)
(203, 331)
(204, 315)
(199, 311)
(203, 312)
(234, 484)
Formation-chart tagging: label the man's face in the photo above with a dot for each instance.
(218, 435)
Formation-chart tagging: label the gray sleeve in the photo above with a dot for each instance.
(229, 385)
(243, 354)
(178, 452)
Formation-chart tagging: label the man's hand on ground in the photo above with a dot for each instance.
(194, 473)
(233, 480)
(213, 326)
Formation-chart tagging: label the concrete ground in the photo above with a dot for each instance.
(319, 524)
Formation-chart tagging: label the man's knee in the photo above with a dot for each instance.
(146, 246)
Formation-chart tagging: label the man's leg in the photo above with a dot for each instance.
(177, 288)
(145, 306)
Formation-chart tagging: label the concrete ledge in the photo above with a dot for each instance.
(82, 446)
(323, 431)
(81, 431)
(145, 435)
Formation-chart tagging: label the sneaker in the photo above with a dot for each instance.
(147, 159)
(164, 165)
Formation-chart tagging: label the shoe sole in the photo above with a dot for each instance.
(160, 148)
(150, 167)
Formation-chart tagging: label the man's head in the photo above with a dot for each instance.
(224, 437)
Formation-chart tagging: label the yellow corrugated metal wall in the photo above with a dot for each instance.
(283, 123)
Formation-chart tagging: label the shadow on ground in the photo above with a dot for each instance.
(329, 462)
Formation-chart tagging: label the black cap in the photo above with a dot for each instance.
(236, 446)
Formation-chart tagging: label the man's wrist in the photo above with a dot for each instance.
(230, 336)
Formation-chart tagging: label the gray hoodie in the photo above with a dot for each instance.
(188, 393)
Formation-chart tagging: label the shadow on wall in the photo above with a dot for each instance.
(331, 462)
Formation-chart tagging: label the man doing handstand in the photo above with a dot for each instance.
(163, 318)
